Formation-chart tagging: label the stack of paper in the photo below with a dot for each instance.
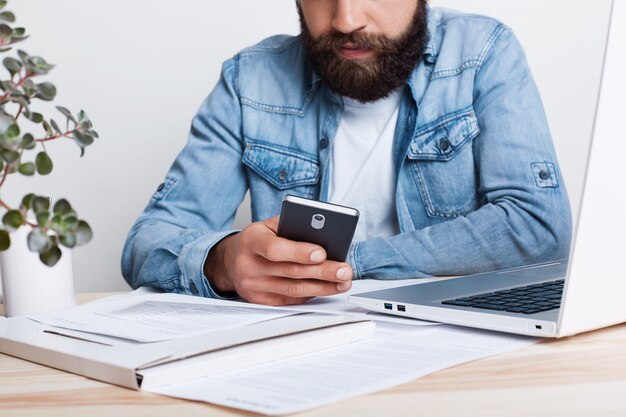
(271, 360)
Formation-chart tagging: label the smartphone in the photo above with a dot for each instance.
(329, 225)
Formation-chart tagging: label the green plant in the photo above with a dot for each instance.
(56, 224)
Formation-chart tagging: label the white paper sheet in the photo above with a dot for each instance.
(338, 304)
(156, 317)
(396, 354)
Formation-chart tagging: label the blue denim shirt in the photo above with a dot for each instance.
(478, 184)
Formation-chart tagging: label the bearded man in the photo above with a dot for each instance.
(426, 120)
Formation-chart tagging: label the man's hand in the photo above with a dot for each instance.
(266, 269)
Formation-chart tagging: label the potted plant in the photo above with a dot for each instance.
(36, 227)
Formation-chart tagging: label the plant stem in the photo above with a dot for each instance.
(4, 175)
(64, 135)
(19, 84)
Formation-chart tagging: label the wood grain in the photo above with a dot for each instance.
(584, 375)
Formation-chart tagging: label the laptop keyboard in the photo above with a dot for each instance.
(526, 300)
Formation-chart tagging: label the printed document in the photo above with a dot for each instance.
(149, 319)
(397, 354)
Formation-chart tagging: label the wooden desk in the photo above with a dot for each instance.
(580, 376)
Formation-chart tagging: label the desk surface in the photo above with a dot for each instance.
(584, 375)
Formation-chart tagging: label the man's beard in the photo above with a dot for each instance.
(368, 79)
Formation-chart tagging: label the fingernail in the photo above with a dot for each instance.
(343, 286)
(317, 256)
(344, 273)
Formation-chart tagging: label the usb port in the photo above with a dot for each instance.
(401, 308)
(388, 306)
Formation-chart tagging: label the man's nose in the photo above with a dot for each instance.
(349, 16)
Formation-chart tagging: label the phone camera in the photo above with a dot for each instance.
(317, 221)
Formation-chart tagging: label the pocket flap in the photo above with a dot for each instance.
(282, 167)
(441, 140)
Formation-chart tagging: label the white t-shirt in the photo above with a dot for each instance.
(362, 170)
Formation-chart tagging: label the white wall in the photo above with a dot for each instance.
(141, 68)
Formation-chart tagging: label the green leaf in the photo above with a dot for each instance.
(19, 32)
(28, 141)
(27, 200)
(51, 256)
(62, 207)
(44, 163)
(9, 155)
(6, 32)
(5, 240)
(3, 4)
(47, 128)
(38, 241)
(13, 131)
(40, 204)
(83, 140)
(24, 57)
(46, 91)
(1, 164)
(13, 219)
(83, 233)
(42, 218)
(66, 113)
(27, 168)
(12, 65)
(68, 239)
(7, 17)
(55, 126)
(35, 117)
(71, 221)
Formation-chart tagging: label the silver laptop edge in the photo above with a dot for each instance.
(594, 279)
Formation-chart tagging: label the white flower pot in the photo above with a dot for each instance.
(29, 286)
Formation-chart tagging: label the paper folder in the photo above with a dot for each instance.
(140, 365)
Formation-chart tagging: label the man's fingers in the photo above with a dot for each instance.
(278, 249)
(299, 288)
(326, 271)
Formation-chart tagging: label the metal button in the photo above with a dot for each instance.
(544, 175)
(444, 144)
(161, 187)
(323, 143)
(282, 175)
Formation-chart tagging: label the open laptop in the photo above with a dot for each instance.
(560, 298)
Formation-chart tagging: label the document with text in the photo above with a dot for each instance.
(150, 319)
(397, 354)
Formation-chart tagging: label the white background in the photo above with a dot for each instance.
(141, 68)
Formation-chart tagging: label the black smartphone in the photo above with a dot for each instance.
(329, 225)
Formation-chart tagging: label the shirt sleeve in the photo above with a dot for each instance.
(524, 215)
(195, 206)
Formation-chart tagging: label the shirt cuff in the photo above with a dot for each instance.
(191, 265)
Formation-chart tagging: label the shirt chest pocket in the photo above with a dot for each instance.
(442, 163)
(277, 171)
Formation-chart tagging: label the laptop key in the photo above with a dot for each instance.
(488, 306)
(457, 303)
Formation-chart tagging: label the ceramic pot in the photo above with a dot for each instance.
(29, 286)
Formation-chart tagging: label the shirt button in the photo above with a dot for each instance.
(544, 175)
(323, 143)
(161, 187)
(282, 175)
(444, 144)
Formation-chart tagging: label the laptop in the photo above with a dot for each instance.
(560, 298)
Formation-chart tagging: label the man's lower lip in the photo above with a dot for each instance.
(354, 53)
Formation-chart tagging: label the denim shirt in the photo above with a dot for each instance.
(478, 184)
